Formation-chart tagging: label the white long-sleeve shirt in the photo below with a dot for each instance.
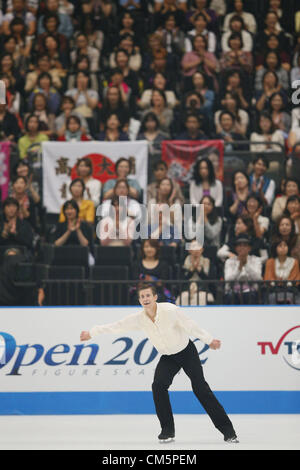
(169, 333)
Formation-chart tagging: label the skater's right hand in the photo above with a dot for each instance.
(85, 336)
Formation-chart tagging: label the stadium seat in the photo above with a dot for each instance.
(108, 293)
(113, 255)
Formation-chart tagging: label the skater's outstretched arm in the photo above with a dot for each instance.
(193, 328)
(129, 323)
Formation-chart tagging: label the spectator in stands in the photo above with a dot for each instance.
(292, 210)
(200, 27)
(271, 85)
(234, 81)
(173, 36)
(260, 183)
(14, 231)
(123, 168)
(46, 118)
(272, 26)
(163, 229)
(212, 222)
(128, 44)
(291, 187)
(65, 23)
(85, 98)
(237, 25)
(112, 130)
(19, 10)
(273, 45)
(231, 102)
(73, 131)
(266, 137)
(242, 268)
(23, 40)
(13, 99)
(295, 72)
(236, 200)
(160, 171)
(121, 188)
(27, 205)
(238, 10)
(160, 108)
(280, 117)
(129, 76)
(51, 26)
(45, 86)
(9, 128)
(235, 57)
(43, 64)
(86, 206)
(58, 58)
(84, 169)
(23, 169)
(82, 48)
(254, 209)
(33, 135)
(227, 133)
(199, 57)
(285, 229)
(128, 25)
(204, 183)
(7, 68)
(72, 229)
(272, 63)
(116, 228)
(151, 268)
(68, 109)
(159, 83)
(200, 6)
(150, 131)
(114, 103)
(197, 268)
(200, 85)
(193, 129)
(282, 267)
(117, 80)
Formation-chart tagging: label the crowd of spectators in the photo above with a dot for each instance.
(158, 70)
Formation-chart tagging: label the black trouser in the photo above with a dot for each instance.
(167, 368)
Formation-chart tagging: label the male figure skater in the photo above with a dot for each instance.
(169, 329)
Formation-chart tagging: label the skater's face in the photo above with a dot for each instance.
(147, 298)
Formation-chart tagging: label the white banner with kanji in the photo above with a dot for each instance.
(60, 158)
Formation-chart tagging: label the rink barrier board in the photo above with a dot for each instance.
(141, 402)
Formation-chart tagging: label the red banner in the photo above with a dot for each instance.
(181, 156)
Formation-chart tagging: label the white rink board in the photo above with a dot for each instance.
(53, 335)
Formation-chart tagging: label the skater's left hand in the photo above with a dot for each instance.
(215, 344)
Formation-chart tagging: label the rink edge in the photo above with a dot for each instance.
(141, 402)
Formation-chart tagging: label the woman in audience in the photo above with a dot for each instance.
(33, 135)
(114, 102)
(280, 117)
(282, 267)
(266, 136)
(9, 128)
(123, 168)
(260, 183)
(212, 222)
(254, 209)
(204, 183)
(84, 97)
(121, 188)
(200, 27)
(292, 210)
(231, 103)
(236, 200)
(238, 10)
(116, 228)
(112, 130)
(68, 109)
(237, 25)
(274, 46)
(14, 231)
(84, 170)
(73, 131)
(82, 64)
(72, 229)
(159, 83)
(23, 168)
(160, 108)
(46, 118)
(235, 57)
(272, 63)
(27, 205)
(150, 131)
(151, 268)
(285, 229)
(86, 206)
(160, 171)
(271, 85)
(200, 85)
(291, 187)
(45, 86)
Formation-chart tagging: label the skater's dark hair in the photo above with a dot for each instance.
(146, 285)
